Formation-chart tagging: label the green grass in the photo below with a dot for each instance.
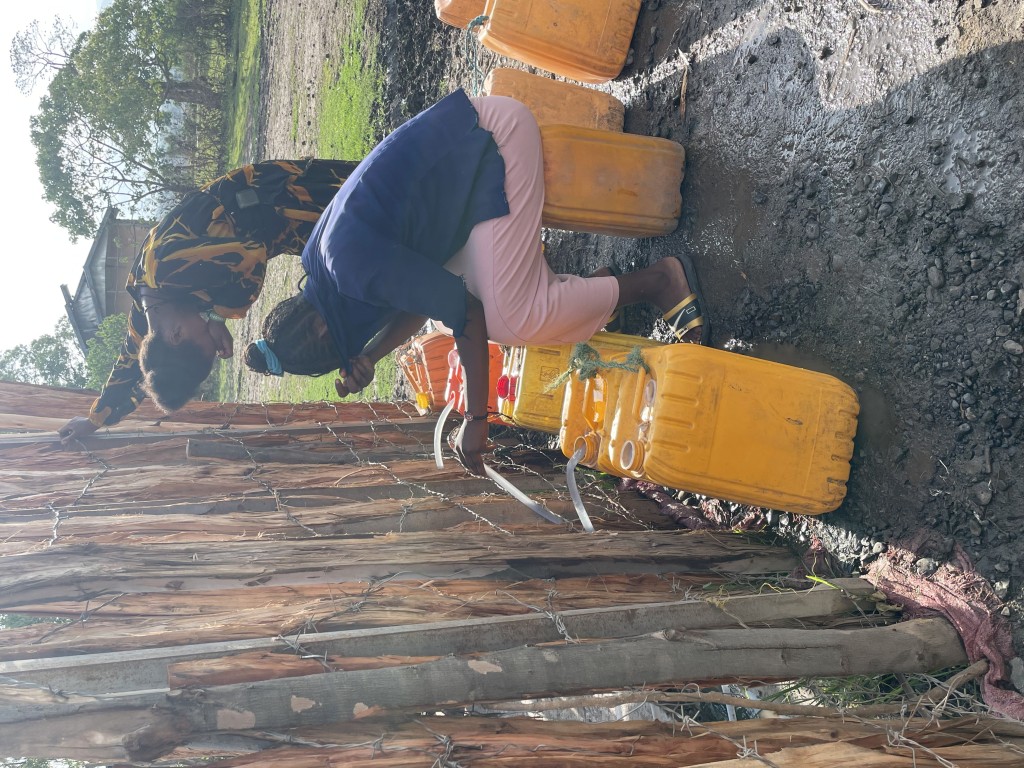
(349, 95)
(301, 389)
(346, 105)
(244, 51)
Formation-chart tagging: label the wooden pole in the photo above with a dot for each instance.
(296, 453)
(915, 646)
(235, 661)
(92, 571)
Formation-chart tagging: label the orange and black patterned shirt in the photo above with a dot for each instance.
(213, 248)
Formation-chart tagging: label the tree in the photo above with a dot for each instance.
(52, 358)
(106, 131)
(87, 166)
(38, 54)
(104, 348)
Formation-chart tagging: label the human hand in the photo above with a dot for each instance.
(358, 379)
(470, 444)
(77, 428)
(222, 336)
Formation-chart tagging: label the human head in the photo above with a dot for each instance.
(178, 352)
(172, 372)
(298, 336)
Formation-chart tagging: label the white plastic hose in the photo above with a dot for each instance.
(438, 429)
(574, 491)
(534, 506)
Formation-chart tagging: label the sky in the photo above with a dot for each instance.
(39, 255)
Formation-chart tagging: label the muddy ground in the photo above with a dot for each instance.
(853, 202)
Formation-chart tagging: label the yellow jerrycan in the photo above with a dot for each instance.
(458, 13)
(736, 428)
(611, 183)
(588, 405)
(524, 390)
(585, 40)
(554, 102)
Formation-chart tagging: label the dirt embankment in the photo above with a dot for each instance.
(853, 201)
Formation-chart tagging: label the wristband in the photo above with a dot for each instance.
(468, 416)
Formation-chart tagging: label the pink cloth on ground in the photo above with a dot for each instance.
(503, 261)
(959, 593)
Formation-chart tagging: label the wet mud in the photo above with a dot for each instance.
(853, 202)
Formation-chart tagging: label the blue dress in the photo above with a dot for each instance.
(380, 246)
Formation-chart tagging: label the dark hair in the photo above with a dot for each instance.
(172, 372)
(290, 331)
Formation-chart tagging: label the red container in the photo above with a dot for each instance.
(457, 392)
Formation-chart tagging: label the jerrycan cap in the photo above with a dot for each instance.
(506, 388)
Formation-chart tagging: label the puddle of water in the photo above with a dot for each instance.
(876, 423)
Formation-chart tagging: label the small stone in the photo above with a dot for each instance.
(974, 527)
(878, 548)
(1013, 347)
(1017, 673)
(963, 430)
(1001, 588)
(1003, 567)
(983, 494)
(935, 277)
(926, 566)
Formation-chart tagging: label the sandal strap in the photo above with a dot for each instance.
(695, 323)
(691, 299)
(687, 311)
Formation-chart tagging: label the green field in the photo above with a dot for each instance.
(345, 104)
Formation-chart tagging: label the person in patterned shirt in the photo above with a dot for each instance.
(205, 261)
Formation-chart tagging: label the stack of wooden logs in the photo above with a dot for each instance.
(301, 586)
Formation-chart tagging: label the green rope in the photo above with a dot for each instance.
(586, 361)
(471, 52)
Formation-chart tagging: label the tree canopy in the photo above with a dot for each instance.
(109, 128)
(37, 54)
(104, 348)
(53, 358)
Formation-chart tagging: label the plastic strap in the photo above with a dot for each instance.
(534, 506)
(574, 491)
